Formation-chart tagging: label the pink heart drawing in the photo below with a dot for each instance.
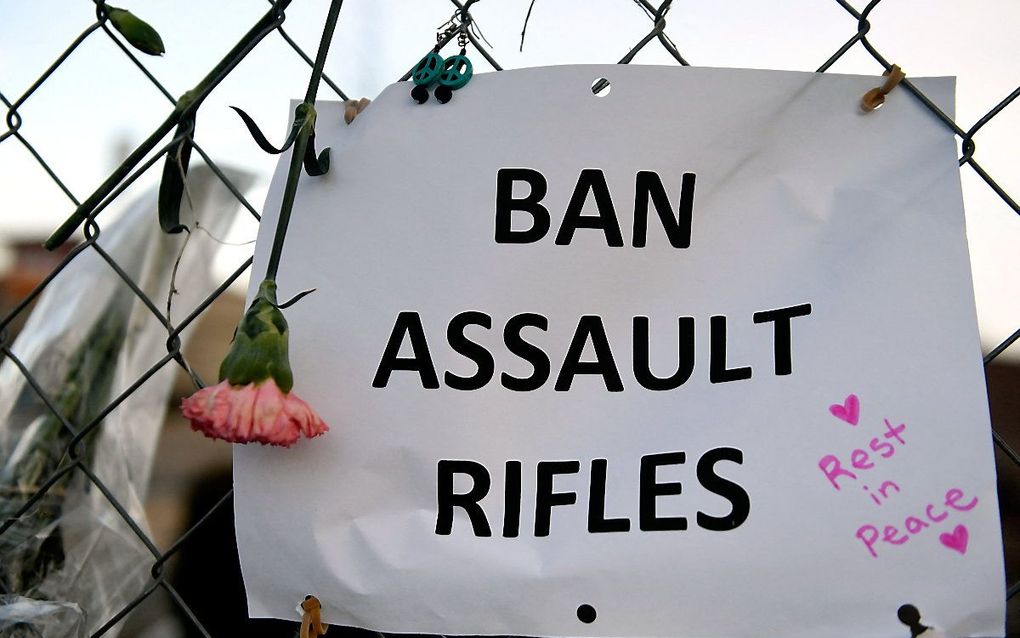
(850, 411)
(957, 540)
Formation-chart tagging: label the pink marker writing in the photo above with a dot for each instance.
(860, 459)
(870, 536)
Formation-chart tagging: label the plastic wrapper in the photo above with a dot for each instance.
(90, 338)
(41, 618)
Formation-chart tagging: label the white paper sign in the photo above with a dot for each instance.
(696, 358)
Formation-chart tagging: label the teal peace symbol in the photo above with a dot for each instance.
(457, 71)
(427, 69)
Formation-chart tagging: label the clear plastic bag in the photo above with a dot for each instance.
(87, 341)
(28, 617)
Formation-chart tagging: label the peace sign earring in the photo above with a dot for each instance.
(457, 71)
(425, 73)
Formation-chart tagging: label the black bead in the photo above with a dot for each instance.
(444, 94)
(420, 94)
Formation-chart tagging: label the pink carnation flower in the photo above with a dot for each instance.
(256, 412)
(253, 402)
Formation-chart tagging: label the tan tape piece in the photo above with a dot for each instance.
(876, 96)
(353, 107)
(311, 621)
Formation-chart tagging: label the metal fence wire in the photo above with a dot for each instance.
(149, 153)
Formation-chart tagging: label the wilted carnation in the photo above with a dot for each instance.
(256, 412)
(253, 401)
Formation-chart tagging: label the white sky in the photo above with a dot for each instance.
(97, 103)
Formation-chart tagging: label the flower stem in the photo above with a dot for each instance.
(306, 111)
(270, 21)
(289, 191)
(320, 56)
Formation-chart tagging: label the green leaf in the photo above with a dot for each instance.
(260, 344)
(261, 139)
(136, 31)
(315, 165)
(172, 186)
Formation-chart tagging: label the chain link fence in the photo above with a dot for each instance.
(79, 433)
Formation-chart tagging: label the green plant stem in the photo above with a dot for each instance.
(306, 110)
(320, 56)
(289, 191)
(188, 104)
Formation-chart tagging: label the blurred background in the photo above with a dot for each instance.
(97, 106)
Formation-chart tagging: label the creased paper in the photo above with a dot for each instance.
(696, 358)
